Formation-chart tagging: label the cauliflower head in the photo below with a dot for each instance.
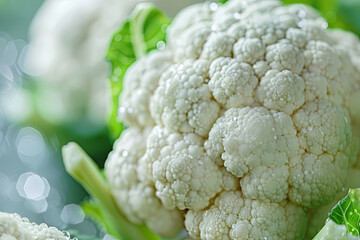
(245, 121)
(13, 227)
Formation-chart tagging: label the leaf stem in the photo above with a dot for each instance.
(81, 167)
(137, 25)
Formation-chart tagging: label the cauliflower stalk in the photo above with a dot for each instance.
(244, 122)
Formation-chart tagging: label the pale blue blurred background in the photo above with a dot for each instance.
(33, 181)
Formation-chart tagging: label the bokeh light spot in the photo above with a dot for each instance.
(31, 147)
(72, 214)
(32, 186)
(36, 206)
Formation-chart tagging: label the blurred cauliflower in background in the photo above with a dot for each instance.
(13, 227)
(68, 41)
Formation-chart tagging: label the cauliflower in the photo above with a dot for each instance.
(13, 227)
(145, 207)
(233, 216)
(243, 123)
(68, 41)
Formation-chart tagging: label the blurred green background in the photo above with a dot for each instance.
(343, 14)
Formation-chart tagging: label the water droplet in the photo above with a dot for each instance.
(301, 23)
(213, 6)
(118, 37)
(117, 71)
(237, 16)
(324, 25)
(160, 45)
(302, 14)
(122, 109)
(214, 28)
(66, 233)
(124, 153)
(130, 110)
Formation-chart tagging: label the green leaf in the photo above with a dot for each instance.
(347, 212)
(307, 2)
(349, 13)
(93, 210)
(343, 221)
(338, 13)
(222, 1)
(139, 35)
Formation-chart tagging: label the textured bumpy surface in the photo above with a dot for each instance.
(249, 116)
(13, 227)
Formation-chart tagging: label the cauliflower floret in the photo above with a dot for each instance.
(255, 139)
(323, 132)
(284, 55)
(183, 102)
(190, 16)
(13, 227)
(249, 50)
(190, 43)
(330, 63)
(232, 82)
(218, 44)
(141, 80)
(322, 127)
(137, 198)
(184, 176)
(233, 216)
(282, 91)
